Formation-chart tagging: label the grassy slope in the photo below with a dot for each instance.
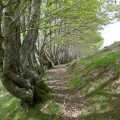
(10, 109)
(98, 80)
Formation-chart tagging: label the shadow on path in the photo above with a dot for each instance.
(72, 101)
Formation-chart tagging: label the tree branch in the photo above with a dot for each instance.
(9, 3)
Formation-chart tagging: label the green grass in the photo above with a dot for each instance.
(45, 74)
(10, 109)
(101, 59)
(73, 83)
(104, 61)
(101, 74)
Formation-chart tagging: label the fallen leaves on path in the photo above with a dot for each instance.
(71, 100)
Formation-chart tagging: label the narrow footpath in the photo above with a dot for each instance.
(70, 99)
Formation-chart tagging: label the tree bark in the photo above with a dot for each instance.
(1, 40)
(18, 76)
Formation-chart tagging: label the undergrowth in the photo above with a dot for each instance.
(10, 109)
(98, 80)
(45, 74)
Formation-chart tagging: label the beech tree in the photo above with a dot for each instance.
(19, 78)
(38, 34)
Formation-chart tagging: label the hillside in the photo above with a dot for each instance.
(97, 79)
(85, 89)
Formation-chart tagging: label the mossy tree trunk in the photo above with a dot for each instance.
(18, 76)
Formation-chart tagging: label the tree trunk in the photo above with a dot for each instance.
(18, 76)
(1, 41)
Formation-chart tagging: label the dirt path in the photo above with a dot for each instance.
(71, 100)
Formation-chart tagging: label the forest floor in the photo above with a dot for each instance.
(85, 89)
(71, 101)
(88, 88)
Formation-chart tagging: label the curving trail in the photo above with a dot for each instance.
(71, 100)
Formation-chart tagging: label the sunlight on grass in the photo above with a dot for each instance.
(73, 83)
(10, 109)
(101, 73)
